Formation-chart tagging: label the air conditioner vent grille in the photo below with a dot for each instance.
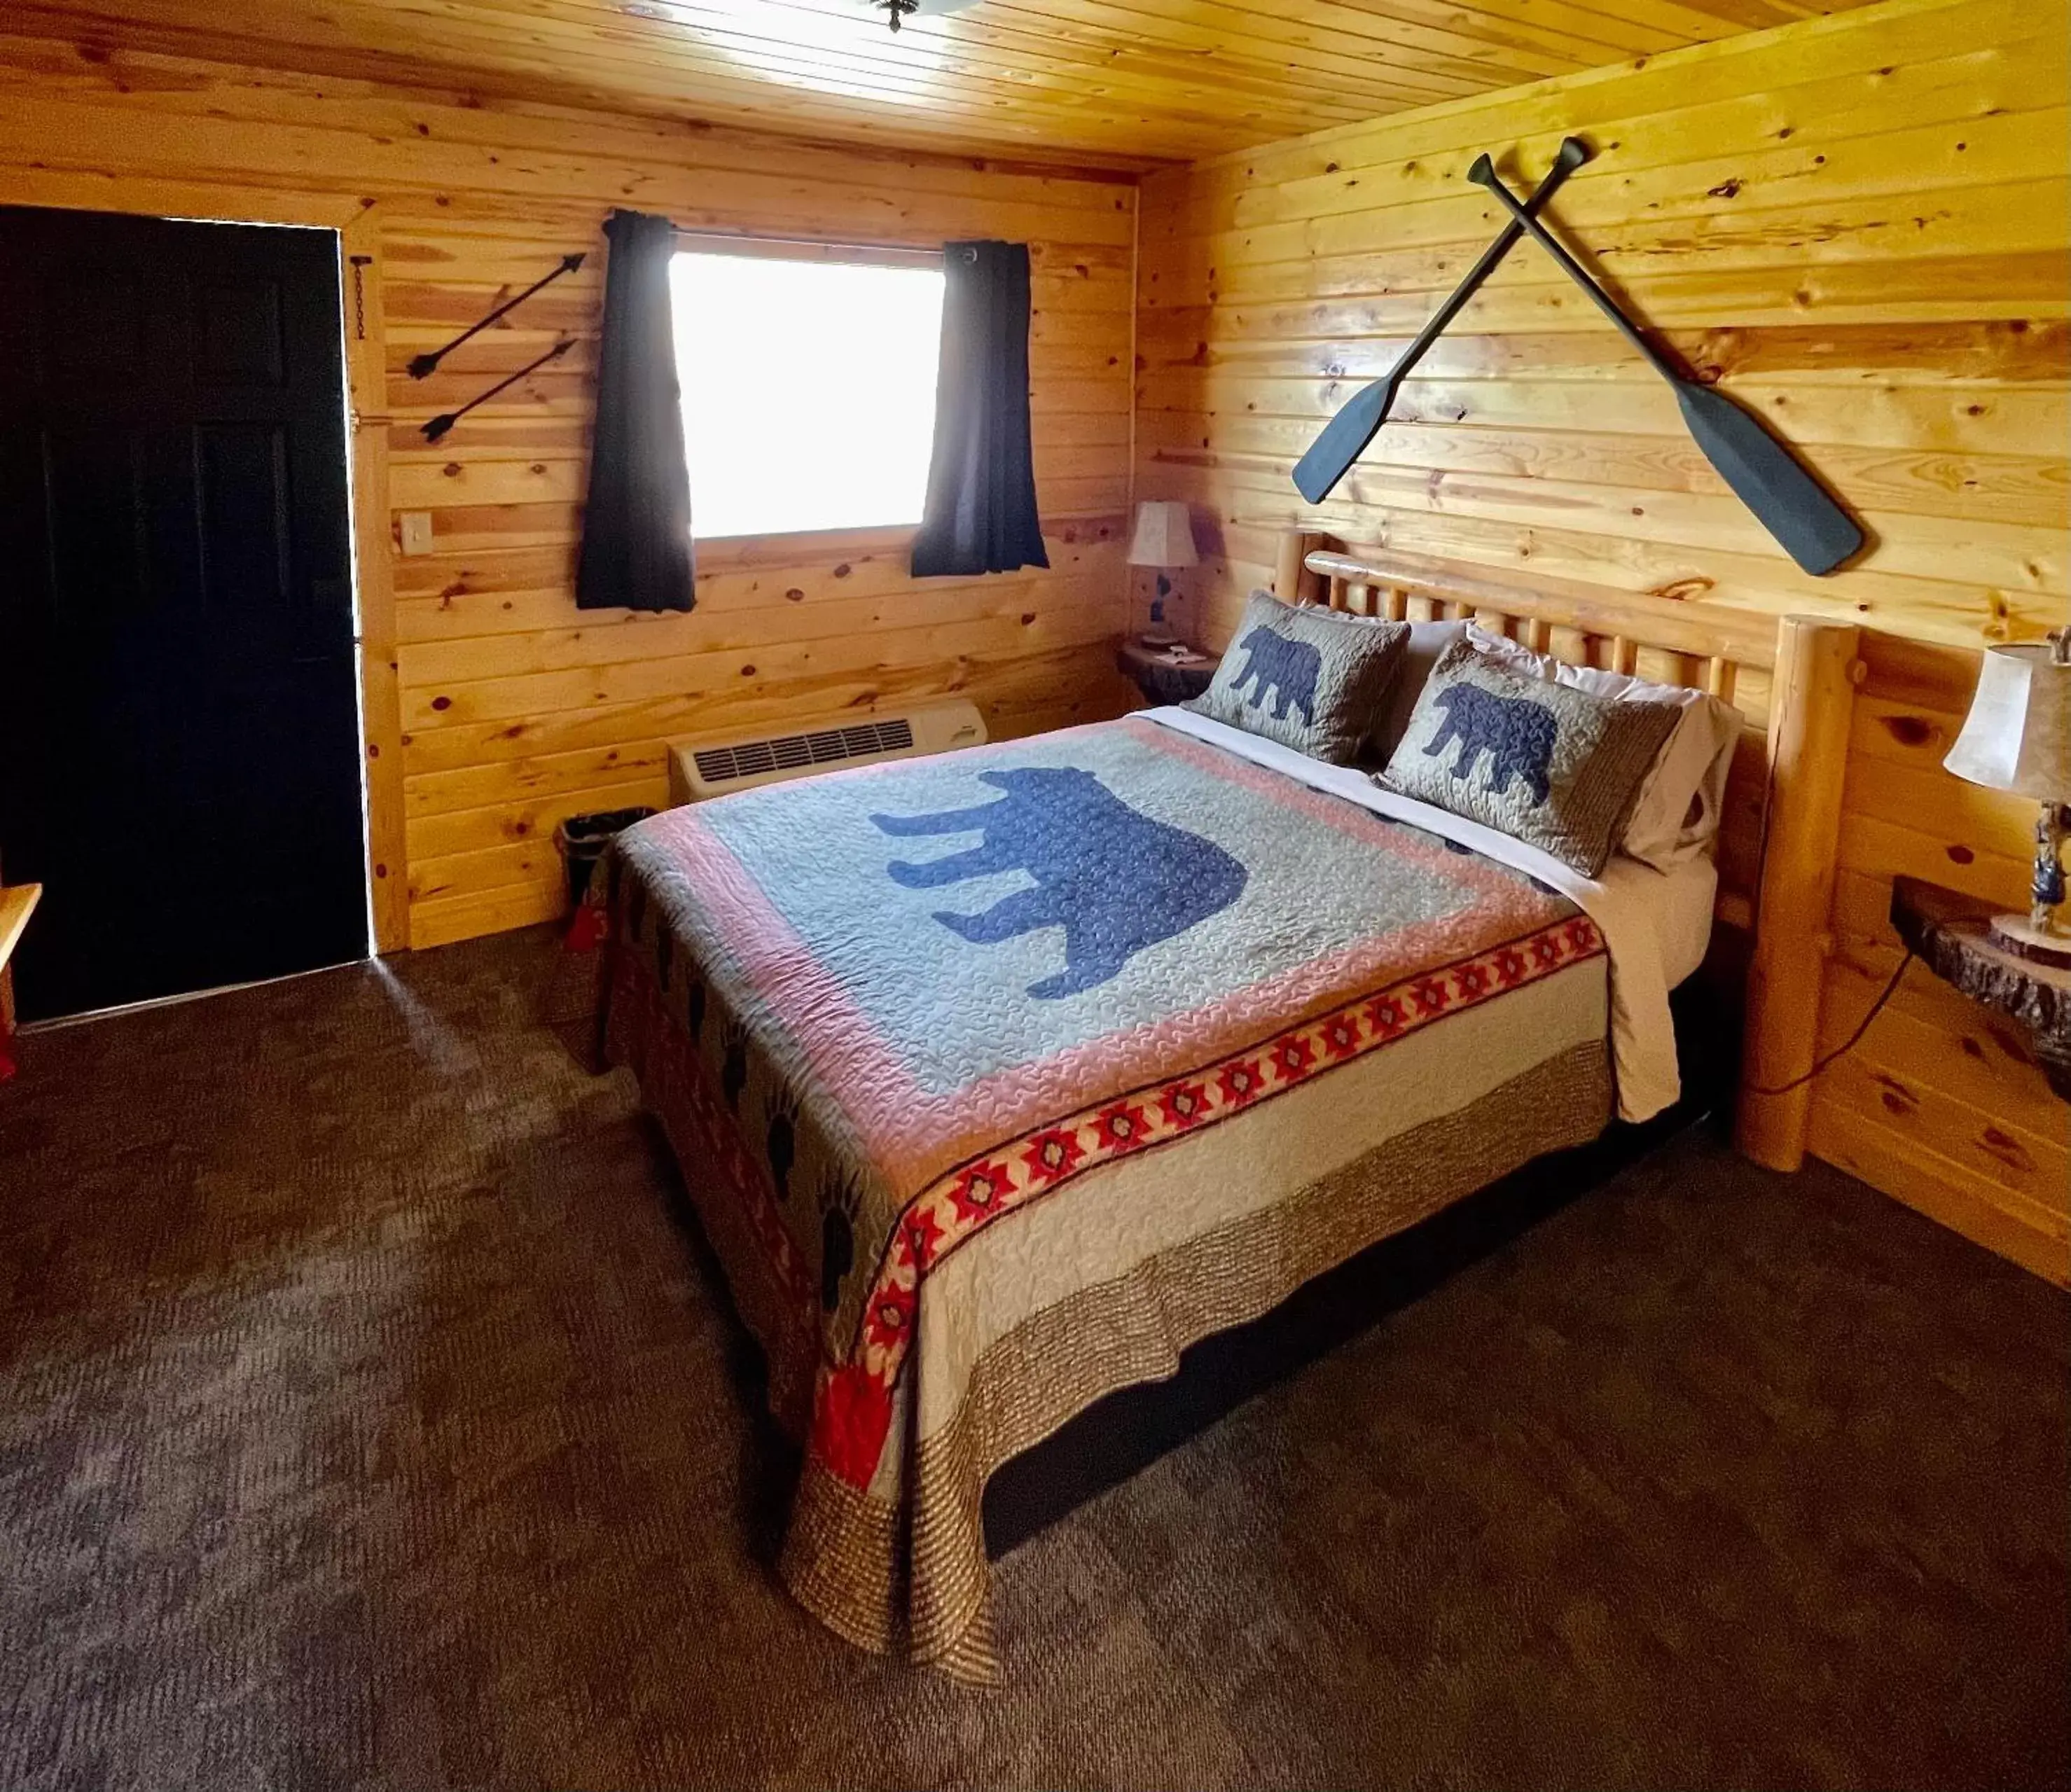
(787, 752)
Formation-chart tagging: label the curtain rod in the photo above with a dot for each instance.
(806, 249)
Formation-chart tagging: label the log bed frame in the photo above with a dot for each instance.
(1793, 679)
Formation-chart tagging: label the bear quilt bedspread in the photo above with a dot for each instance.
(999, 1077)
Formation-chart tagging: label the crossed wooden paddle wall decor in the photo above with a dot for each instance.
(1786, 497)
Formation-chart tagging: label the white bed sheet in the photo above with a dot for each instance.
(1684, 901)
(1656, 925)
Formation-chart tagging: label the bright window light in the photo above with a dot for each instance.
(809, 391)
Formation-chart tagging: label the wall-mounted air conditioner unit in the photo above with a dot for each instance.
(717, 764)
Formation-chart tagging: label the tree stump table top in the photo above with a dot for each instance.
(1950, 933)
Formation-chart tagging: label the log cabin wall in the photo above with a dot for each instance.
(513, 709)
(1942, 1104)
(1858, 224)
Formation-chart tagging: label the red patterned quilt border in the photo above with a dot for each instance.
(855, 1400)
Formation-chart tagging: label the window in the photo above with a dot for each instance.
(808, 390)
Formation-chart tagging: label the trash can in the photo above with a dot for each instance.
(573, 1003)
(583, 840)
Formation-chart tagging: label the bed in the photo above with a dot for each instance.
(1000, 1078)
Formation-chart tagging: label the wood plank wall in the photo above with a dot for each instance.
(1857, 224)
(516, 709)
(1942, 1104)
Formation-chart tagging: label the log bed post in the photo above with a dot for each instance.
(1293, 582)
(1811, 705)
(1782, 890)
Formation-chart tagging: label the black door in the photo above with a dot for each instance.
(179, 739)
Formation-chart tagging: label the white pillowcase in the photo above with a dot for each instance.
(1427, 642)
(1682, 799)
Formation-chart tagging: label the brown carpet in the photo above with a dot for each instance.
(370, 1414)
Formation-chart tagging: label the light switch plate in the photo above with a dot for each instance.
(416, 532)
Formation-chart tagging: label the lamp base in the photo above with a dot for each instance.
(2041, 945)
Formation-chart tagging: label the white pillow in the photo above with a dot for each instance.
(1682, 799)
(1427, 642)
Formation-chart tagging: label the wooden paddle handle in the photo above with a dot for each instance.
(1573, 152)
(1483, 174)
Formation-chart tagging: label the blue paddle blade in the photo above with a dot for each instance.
(1342, 440)
(1788, 501)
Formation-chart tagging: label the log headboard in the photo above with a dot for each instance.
(1793, 677)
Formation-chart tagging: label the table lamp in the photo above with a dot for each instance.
(2018, 737)
(1164, 539)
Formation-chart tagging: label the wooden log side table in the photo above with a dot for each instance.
(1948, 932)
(1166, 674)
(16, 906)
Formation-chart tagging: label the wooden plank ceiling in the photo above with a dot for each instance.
(1123, 81)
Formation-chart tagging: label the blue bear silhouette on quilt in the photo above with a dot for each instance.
(982, 910)
(1113, 878)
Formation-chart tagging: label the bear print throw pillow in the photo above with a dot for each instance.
(1555, 767)
(1309, 678)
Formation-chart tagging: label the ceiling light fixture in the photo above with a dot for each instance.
(897, 11)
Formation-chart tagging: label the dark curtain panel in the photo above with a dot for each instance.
(981, 513)
(636, 546)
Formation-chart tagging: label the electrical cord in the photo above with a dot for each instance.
(1854, 1039)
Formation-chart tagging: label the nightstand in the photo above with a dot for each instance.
(1949, 933)
(1166, 674)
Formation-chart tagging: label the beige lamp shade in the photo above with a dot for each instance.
(1164, 535)
(2018, 735)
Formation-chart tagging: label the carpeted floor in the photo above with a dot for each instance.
(370, 1413)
